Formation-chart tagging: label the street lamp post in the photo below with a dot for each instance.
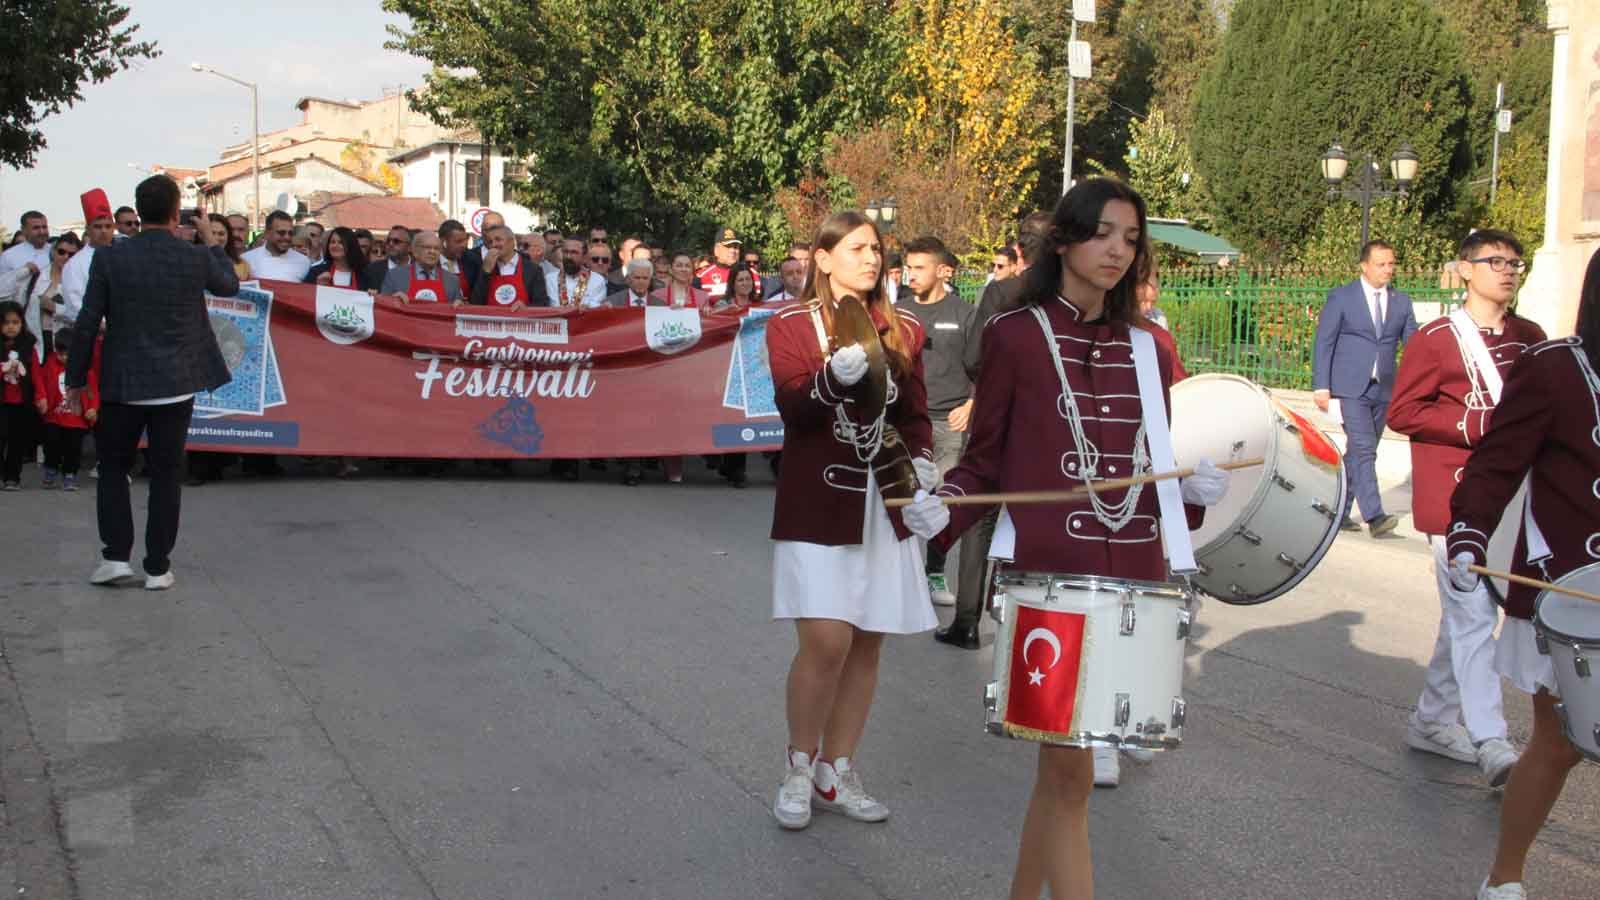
(883, 213)
(255, 131)
(1368, 185)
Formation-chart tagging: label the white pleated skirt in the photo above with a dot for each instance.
(1518, 660)
(876, 585)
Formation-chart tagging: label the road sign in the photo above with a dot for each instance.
(1083, 11)
(1078, 59)
(1503, 121)
(476, 222)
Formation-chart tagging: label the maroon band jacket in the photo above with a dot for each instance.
(822, 484)
(1548, 421)
(1019, 440)
(1435, 405)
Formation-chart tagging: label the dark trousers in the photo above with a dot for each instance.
(63, 448)
(974, 564)
(166, 429)
(1364, 419)
(18, 422)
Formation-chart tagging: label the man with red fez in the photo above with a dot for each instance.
(100, 231)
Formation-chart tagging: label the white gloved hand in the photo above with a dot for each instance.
(928, 476)
(1206, 486)
(1461, 578)
(849, 365)
(926, 516)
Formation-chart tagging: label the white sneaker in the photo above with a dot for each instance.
(159, 582)
(111, 573)
(1511, 890)
(792, 808)
(838, 790)
(1139, 754)
(943, 598)
(1496, 756)
(1449, 741)
(1107, 771)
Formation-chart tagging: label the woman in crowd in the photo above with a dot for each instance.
(232, 244)
(1058, 371)
(744, 290)
(1546, 429)
(342, 265)
(845, 569)
(679, 291)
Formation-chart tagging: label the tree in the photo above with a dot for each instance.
(1173, 41)
(1519, 204)
(50, 48)
(1504, 43)
(1334, 243)
(1161, 168)
(668, 118)
(1293, 75)
(969, 99)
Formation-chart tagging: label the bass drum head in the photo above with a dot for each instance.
(1571, 620)
(1224, 418)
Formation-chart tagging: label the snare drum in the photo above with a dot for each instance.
(1276, 520)
(1082, 661)
(1568, 629)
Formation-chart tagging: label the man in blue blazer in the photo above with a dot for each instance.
(1362, 326)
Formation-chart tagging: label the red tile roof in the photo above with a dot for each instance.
(372, 211)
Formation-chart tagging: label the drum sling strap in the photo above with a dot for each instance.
(1471, 339)
(1158, 437)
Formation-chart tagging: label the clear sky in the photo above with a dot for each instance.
(160, 112)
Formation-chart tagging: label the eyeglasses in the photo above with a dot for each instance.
(393, 240)
(1500, 263)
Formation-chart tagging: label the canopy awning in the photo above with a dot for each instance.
(1180, 234)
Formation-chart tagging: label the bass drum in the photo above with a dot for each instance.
(1277, 520)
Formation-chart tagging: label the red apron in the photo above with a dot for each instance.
(507, 290)
(430, 290)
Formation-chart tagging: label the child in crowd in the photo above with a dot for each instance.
(17, 423)
(64, 427)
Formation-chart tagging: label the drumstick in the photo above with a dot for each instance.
(1534, 583)
(1109, 484)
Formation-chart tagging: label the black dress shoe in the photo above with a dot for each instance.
(631, 477)
(963, 636)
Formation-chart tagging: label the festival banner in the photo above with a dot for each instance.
(320, 370)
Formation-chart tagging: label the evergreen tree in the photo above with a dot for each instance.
(1294, 75)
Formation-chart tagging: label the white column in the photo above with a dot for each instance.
(1540, 298)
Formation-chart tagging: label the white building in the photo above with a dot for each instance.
(298, 178)
(450, 174)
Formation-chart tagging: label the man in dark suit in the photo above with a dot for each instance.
(159, 351)
(397, 253)
(1362, 326)
(637, 279)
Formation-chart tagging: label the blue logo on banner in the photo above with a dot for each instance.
(516, 426)
(751, 435)
(244, 433)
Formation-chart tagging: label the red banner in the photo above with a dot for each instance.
(320, 370)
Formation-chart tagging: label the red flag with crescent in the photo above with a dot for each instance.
(1313, 442)
(1046, 669)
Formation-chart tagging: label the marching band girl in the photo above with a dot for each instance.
(845, 568)
(1057, 405)
(1546, 428)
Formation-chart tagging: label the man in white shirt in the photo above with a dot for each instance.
(35, 246)
(273, 259)
(576, 285)
(100, 232)
(792, 277)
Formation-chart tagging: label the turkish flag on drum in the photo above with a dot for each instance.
(1046, 665)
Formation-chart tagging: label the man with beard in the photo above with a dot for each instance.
(397, 253)
(34, 246)
(576, 286)
(274, 258)
(100, 231)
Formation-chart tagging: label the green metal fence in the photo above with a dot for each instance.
(1260, 323)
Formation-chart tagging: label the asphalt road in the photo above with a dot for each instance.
(478, 688)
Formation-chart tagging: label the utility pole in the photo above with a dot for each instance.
(1502, 125)
(1077, 67)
